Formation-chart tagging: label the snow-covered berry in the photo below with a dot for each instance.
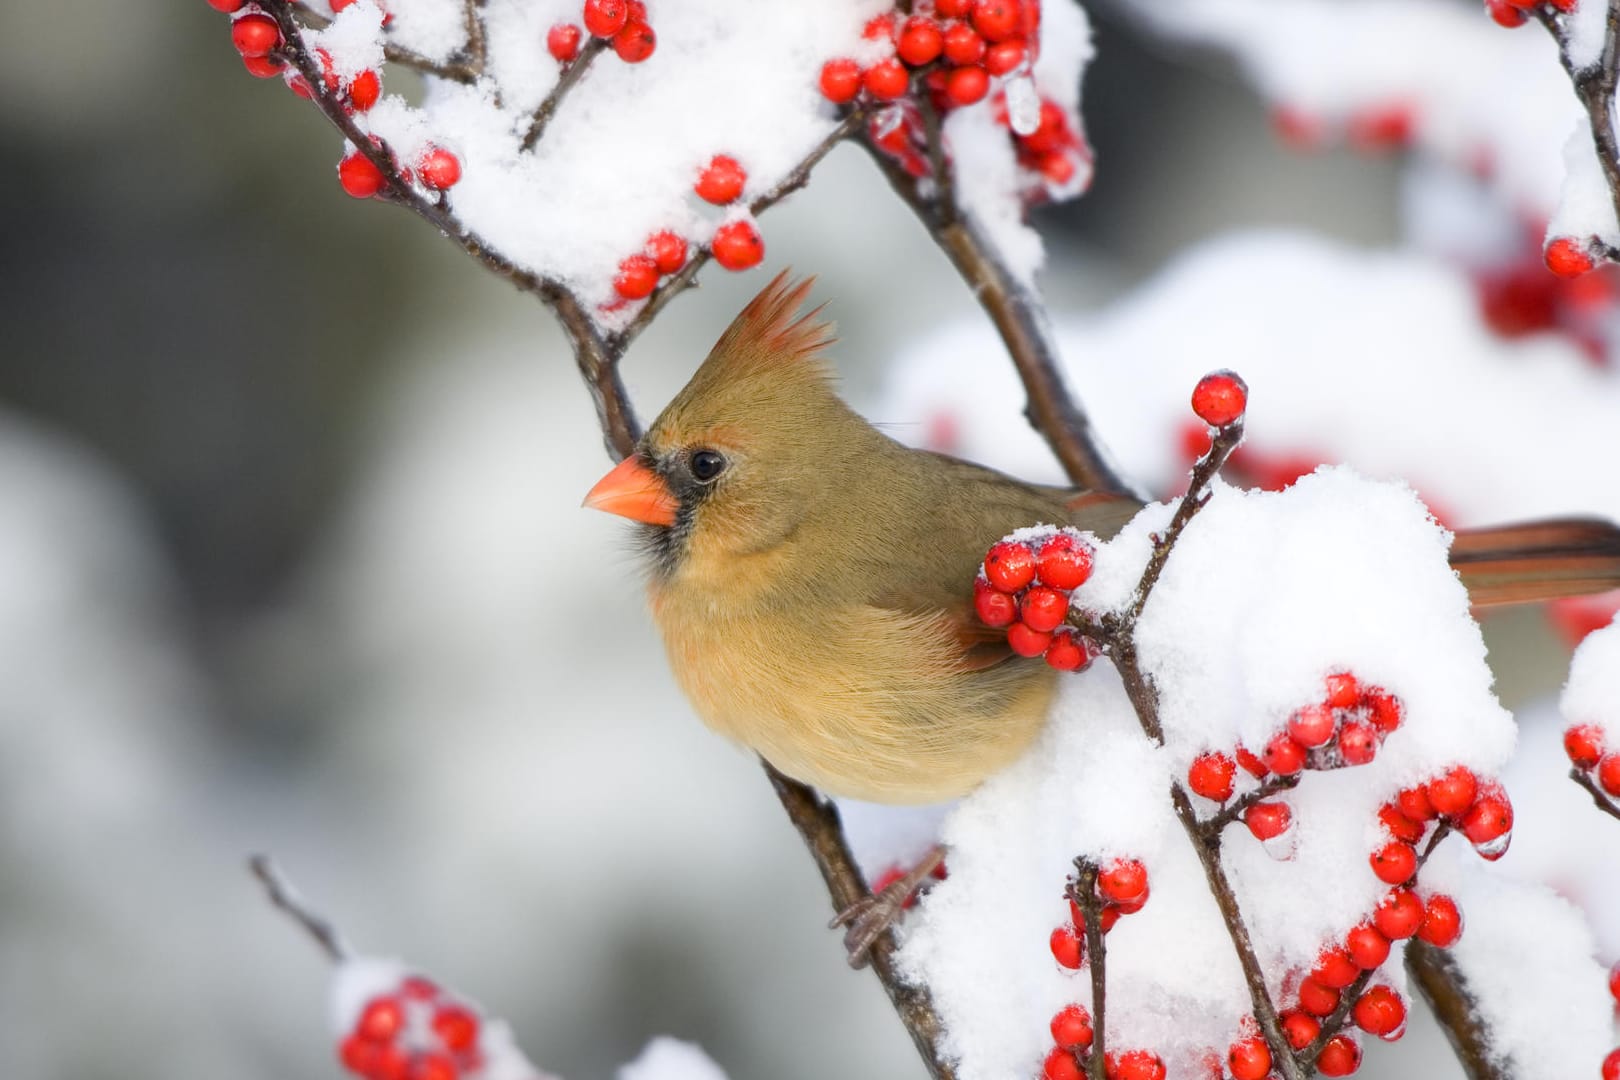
(1399, 825)
(1357, 742)
(1442, 921)
(1452, 792)
(1220, 398)
(1063, 562)
(1010, 565)
(438, 168)
(1584, 744)
(1071, 1028)
(667, 251)
(1312, 726)
(1489, 819)
(637, 277)
(1123, 882)
(1568, 257)
(1342, 691)
(721, 180)
(364, 90)
(1283, 755)
(1210, 775)
(1134, 1064)
(1335, 968)
(1060, 1065)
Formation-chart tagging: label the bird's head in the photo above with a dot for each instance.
(735, 461)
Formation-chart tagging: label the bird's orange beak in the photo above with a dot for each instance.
(634, 491)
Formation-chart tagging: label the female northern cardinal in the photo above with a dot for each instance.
(813, 578)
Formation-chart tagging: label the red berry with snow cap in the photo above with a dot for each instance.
(1220, 398)
(1063, 562)
(1442, 922)
(1358, 742)
(637, 278)
(1210, 775)
(438, 168)
(1568, 257)
(562, 42)
(1383, 709)
(1453, 792)
(1010, 566)
(667, 251)
(1071, 1028)
(1343, 692)
(1584, 745)
(1312, 726)
(604, 18)
(1334, 968)
(1123, 881)
(737, 245)
(721, 180)
(255, 34)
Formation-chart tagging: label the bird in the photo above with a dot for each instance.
(811, 576)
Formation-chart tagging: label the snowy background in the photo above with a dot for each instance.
(290, 553)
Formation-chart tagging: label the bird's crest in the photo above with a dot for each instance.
(771, 331)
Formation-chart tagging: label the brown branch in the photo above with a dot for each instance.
(1082, 890)
(571, 74)
(1226, 440)
(1594, 88)
(1021, 322)
(1445, 988)
(938, 163)
(281, 893)
(1599, 798)
(477, 50)
(1213, 826)
(818, 823)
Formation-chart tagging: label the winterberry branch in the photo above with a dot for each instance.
(571, 74)
(1599, 798)
(1441, 831)
(454, 71)
(938, 163)
(1226, 440)
(1333, 1023)
(1445, 989)
(1082, 890)
(1213, 826)
(282, 894)
(1021, 321)
(1595, 88)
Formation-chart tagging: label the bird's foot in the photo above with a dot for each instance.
(870, 917)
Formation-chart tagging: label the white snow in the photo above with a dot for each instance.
(665, 1058)
(1592, 695)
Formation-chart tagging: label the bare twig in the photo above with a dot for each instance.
(1595, 87)
(1601, 800)
(284, 896)
(1445, 988)
(1082, 891)
(565, 82)
(1220, 448)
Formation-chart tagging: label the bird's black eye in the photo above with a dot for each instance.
(706, 465)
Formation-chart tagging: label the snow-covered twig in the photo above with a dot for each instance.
(1595, 87)
(1601, 800)
(459, 70)
(571, 74)
(284, 896)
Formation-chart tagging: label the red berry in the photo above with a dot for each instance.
(263, 67)
(1068, 947)
(418, 988)
(1505, 13)
(1399, 825)
(1267, 820)
(1565, 256)
(359, 1056)
(1490, 818)
(297, 84)
(1251, 763)
(1009, 565)
(840, 80)
(1399, 914)
(1394, 863)
(1611, 1065)
(456, 1026)
(1063, 562)
(737, 245)
(638, 277)
(1584, 745)
(1004, 56)
(438, 168)
(1027, 642)
(1134, 1065)
(380, 1020)
(1442, 922)
(1342, 691)
(1249, 1059)
(227, 7)
(1312, 726)
(721, 180)
(952, 9)
(604, 18)
(1340, 1057)
(1130, 907)
(967, 84)
(432, 1067)
(994, 607)
(1383, 709)
(1415, 804)
(1453, 792)
(879, 28)
(887, 80)
(1123, 881)
(1380, 1011)
(1066, 652)
(1608, 773)
(1210, 775)
(255, 34)
(920, 41)
(995, 20)
(1071, 1028)
(1107, 917)
(667, 250)
(359, 176)
(635, 42)
(1283, 755)
(562, 42)
(1334, 969)
(1220, 398)
(963, 45)
(1043, 609)
(1060, 1065)
(1300, 1028)
(364, 90)
(1316, 999)
(1358, 742)
(1366, 946)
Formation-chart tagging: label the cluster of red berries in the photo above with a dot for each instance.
(1055, 150)
(664, 253)
(1064, 1062)
(415, 1032)
(1511, 13)
(1375, 128)
(1122, 887)
(1584, 743)
(961, 43)
(436, 169)
(623, 23)
(736, 244)
(1480, 810)
(1024, 586)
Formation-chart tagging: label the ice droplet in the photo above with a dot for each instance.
(1023, 105)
